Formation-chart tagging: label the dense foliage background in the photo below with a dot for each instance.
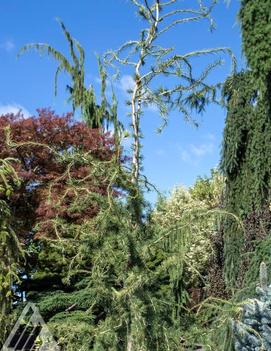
(106, 270)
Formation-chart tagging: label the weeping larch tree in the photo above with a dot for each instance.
(246, 160)
(163, 78)
(119, 287)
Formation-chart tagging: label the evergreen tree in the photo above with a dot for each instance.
(163, 77)
(11, 251)
(246, 160)
(96, 116)
(112, 297)
(38, 159)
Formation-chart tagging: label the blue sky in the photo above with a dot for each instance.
(181, 152)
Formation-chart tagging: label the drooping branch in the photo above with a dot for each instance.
(11, 251)
(161, 77)
(81, 96)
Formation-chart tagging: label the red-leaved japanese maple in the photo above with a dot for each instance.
(38, 143)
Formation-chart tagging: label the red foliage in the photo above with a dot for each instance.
(37, 142)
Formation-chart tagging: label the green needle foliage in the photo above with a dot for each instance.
(81, 97)
(11, 251)
(124, 286)
(112, 291)
(246, 153)
(255, 24)
(120, 280)
(164, 78)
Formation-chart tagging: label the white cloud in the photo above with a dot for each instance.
(193, 153)
(8, 45)
(127, 83)
(202, 149)
(14, 108)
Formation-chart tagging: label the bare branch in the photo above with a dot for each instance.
(180, 21)
(180, 11)
(150, 10)
(168, 3)
(151, 60)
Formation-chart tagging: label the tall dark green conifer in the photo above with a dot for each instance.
(246, 159)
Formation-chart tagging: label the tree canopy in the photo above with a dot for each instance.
(108, 271)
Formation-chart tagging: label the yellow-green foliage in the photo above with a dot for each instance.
(10, 248)
(188, 218)
(209, 189)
